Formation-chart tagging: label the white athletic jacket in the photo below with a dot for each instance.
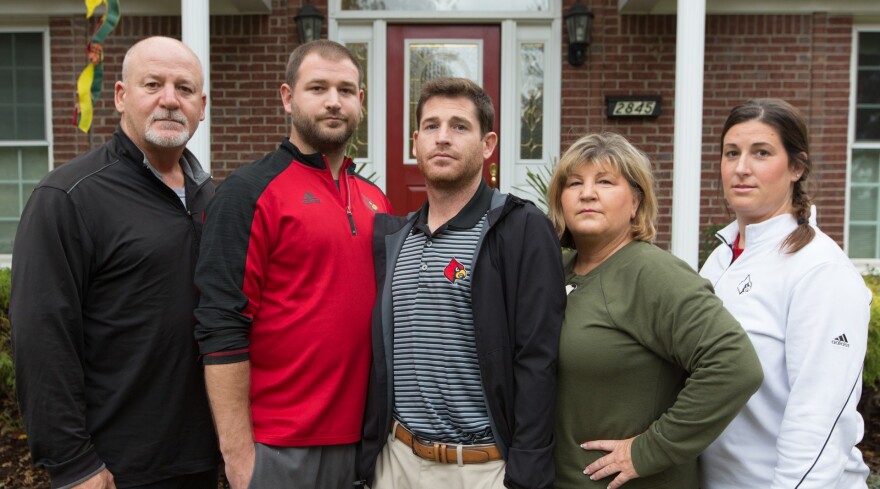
(807, 316)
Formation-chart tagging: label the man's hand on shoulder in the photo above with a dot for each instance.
(101, 480)
(240, 467)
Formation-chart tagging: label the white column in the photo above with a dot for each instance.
(689, 48)
(507, 146)
(195, 25)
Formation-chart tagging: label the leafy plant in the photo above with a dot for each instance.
(708, 242)
(360, 169)
(538, 182)
(9, 417)
(871, 374)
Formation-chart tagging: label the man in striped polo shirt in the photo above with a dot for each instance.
(466, 325)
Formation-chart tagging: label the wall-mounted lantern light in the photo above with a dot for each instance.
(308, 23)
(578, 23)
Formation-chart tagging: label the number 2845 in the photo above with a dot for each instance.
(634, 107)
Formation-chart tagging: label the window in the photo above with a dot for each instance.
(537, 105)
(864, 203)
(531, 103)
(24, 139)
(362, 147)
(359, 148)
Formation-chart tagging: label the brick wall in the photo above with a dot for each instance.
(629, 55)
(69, 36)
(248, 57)
(804, 59)
(801, 58)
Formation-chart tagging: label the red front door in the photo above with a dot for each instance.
(418, 53)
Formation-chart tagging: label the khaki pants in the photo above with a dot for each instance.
(399, 468)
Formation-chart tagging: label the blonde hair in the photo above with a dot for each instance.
(613, 151)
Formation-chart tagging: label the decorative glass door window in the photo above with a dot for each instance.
(359, 148)
(531, 86)
(427, 60)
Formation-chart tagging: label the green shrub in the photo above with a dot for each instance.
(6, 377)
(871, 374)
(9, 418)
(708, 242)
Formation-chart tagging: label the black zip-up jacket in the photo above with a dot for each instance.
(518, 301)
(102, 320)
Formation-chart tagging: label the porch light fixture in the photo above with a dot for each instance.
(578, 22)
(308, 23)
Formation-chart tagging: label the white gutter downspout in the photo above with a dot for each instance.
(195, 24)
(689, 49)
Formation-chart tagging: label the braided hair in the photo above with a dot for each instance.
(792, 130)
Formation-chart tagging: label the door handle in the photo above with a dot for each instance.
(493, 174)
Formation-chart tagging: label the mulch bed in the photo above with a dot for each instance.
(16, 469)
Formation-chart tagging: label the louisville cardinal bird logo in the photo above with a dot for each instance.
(745, 285)
(454, 271)
(370, 204)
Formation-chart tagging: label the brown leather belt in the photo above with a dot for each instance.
(446, 453)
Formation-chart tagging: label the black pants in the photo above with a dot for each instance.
(201, 480)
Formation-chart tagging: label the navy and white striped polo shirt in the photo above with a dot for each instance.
(437, 387)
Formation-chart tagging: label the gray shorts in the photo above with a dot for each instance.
(324, 467)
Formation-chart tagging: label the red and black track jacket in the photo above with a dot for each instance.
(287, 281)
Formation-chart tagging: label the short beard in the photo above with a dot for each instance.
(325, 142)
(173, 141)
(451, 183)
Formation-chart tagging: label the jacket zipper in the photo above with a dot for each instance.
(343, 174)
(348, 206)
(729, 245)
(351, 221)
(727, 268)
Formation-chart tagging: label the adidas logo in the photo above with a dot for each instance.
(308, 198)
(840, 341)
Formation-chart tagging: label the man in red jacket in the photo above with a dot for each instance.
(287, 288)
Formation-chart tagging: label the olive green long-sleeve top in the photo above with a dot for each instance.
(647, 350)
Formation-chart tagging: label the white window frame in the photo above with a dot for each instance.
(6, 258)
(364, 34)
(511, 162)
(863, 264)
(334, 7)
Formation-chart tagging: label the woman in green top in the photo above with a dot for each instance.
(651, 365)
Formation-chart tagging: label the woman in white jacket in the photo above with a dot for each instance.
(804, 306)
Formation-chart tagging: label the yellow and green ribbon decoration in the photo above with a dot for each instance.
(88, 86)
